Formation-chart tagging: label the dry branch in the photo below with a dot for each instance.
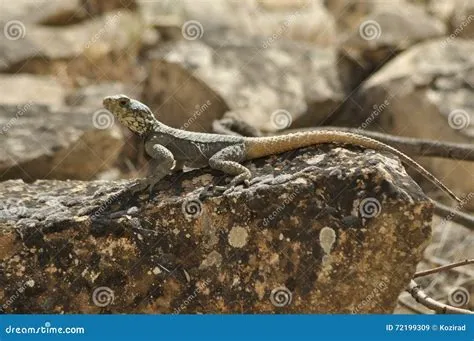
(421, 297)
(443, 268)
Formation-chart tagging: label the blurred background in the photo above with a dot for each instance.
(399, 67)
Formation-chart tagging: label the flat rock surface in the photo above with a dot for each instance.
(328, 230)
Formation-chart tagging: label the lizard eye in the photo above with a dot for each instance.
(123, 102)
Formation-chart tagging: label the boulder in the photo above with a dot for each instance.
(373, 32)
(42, 90)
(304, 21)
(93, 49)
(321, 230)
(457, 14)
(39, 142)
(425, 92)
(56, 13)
(196, 82)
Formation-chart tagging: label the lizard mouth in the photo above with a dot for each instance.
(106, 102)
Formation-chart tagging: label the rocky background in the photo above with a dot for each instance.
(399, 67)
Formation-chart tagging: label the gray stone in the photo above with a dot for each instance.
(38, 142)
(267, 86)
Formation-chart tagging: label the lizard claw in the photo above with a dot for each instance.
(212, 191)
(141, 185)
(138, 187)
(229, 190)
(150, 191)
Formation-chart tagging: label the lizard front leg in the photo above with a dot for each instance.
(161, 165)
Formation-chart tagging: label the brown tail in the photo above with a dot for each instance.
(263, 146)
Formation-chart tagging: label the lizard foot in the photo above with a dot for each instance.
(214, 191)
(141, 185)
(211, 191)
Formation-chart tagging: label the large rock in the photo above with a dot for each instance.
(268, 87)
(426, 92)
(38, 142)
(91, 96)
(373, 32)
(307, 21)
(91, 49)
(58, 12)
(16, 89)
(327, 230)
(457, 14)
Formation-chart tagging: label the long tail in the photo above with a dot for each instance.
(263, 146)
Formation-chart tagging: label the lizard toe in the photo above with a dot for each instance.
(211, 191)
(228, 190)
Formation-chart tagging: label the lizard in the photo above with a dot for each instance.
(171, 148)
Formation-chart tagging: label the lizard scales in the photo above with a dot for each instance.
(171, 148)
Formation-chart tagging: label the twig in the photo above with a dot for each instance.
(442, 268)
(439, 261)
(451, 214)
(414, 146)
(409, 145)
(411, 306)
(421, 297)
(235, 127)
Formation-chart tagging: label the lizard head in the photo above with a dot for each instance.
(131, 113)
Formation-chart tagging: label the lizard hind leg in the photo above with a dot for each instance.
(228, 161)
